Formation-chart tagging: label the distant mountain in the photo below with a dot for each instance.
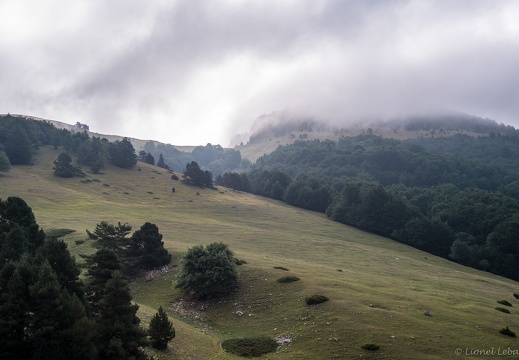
(282, 128)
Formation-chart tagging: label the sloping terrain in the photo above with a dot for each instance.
(378, 288)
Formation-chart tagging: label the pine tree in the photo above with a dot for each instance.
(55, 251)
(47, 308)
(63, 166)
(15, 311)
(103, 263)
(119, 333)
(146, 250)
(161, 163)
(161, 330)
(110, 236)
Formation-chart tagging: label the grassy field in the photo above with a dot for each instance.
(378, 288)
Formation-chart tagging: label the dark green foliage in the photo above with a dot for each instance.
(161, 330)
(370, 347)
(101, 266)
(316, 299)
(504, 302)
(19, 232)
(55, 252)
(146, 249)
(507, 331)
(122, 154)
(92, 152)
(5, 164)
(503, 310)
(208, 272)
(235, 181)
(310, 193)
(44, 313)
(250, 347)
(119, 333)
(193, 175)
(371, 207)
(111, 236)
(18, 147)
(211, 157)
(270, 183)
(63, 167)
(287, 279)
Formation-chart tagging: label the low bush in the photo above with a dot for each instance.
(516, 295)
(506, 311)
(316, 299)
(370, 347)
(239, 261)
(250, 346)
(287, 279)
(57, 233)
(79, 242)
(281, 268)
(504, 302)
(174, 177)
(507, 331)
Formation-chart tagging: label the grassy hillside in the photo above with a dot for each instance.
(378, 288)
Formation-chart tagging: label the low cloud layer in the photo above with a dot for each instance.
(193, 72)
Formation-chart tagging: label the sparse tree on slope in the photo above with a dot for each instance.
(207, 272)
(161, 330)
(146, 250)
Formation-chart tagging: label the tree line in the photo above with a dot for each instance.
(452, 205)
(213, 158)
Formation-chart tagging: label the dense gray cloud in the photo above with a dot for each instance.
(192, 72)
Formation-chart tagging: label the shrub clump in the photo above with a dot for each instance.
(208, 272)
(281, 268)
(504, 302)
(239, 261)
(370, 347)
(316, 299)
(174, 177)
(287, 279)
(507, 331)
(502, 309)
(250, 346)
(516, 295)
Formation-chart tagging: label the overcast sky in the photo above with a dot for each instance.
(193, 72)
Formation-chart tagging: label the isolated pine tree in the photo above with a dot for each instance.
(146, 250)
(110, 236)
(63, 166)
(161, 330)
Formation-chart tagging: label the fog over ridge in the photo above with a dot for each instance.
(185, 72)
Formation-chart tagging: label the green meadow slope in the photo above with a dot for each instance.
(378, 288)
